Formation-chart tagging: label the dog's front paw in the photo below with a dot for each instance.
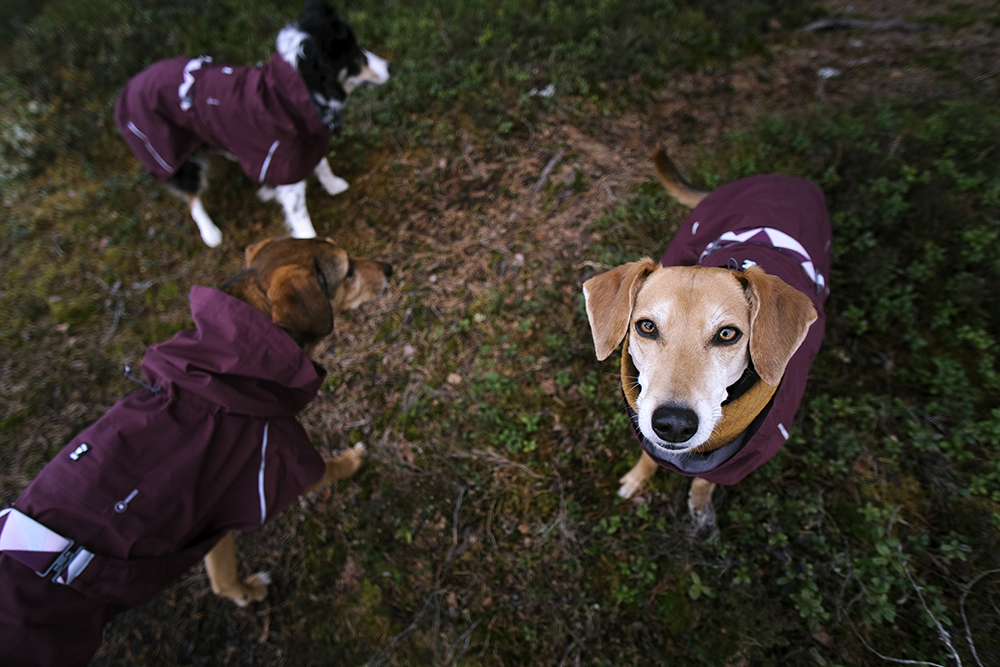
(629, 486)
(266, 193)
(212, 237)
(702, 522)
(344, 465)
(353, 458)
(210, 234)
(257, 586)
(251, 589)
(333, 184)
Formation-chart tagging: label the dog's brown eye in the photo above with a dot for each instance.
(321, 279)
(728, 335)
(645, 328)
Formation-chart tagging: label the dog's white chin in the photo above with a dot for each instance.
(672, 448)
(670, 451)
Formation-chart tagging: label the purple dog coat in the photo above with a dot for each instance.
(153, 484)
(261, 115)
(779, 223)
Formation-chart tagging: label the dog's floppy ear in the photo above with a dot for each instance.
(320, 20)
(780, 317)
(298, 303)
(610, 298)
(252, 251)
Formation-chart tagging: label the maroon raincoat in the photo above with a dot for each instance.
(168, 473)
(261, 115)
(747, 221)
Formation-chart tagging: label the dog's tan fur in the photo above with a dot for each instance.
(300, 284)
(679, 321)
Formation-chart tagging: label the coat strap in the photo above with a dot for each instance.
(43, 550)
(121, 581)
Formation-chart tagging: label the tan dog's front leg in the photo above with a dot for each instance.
(700, 498)
(700, 503)
(341, 467)
(221, 560)
(637, 476)
(221, 565)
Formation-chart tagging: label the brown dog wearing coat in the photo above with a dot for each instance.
(209, 446)
(718, 337)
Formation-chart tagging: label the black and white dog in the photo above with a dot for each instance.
(275, 119)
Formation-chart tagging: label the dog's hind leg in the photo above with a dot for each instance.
(188, 183)
(293, 201)
(331, 182)
(220, 563)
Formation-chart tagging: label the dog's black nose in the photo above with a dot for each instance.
(674, 424)
(386, 269)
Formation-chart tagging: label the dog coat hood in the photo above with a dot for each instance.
(261, 115)
(781, 224)
(153, 484)
(236, 358)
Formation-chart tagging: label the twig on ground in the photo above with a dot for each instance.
(496, 458)
(942, 633)
(961, 606)
(465, 639)
(540, 183)
(867, 24)
(857, 634)
(121, 296)
(432, 597)
(611, 194)
(454, 518)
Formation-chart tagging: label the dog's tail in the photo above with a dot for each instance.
(672, 180)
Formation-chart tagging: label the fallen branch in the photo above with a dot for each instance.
(867, 24)
(942, 633)
(857, 634)
(540, 183)
(961, 606)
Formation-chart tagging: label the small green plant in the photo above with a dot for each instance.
(698, 588)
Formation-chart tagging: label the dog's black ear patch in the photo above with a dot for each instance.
(330, 50)
(318, 10)
(322, 23)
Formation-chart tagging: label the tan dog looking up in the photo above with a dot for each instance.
(709, 331)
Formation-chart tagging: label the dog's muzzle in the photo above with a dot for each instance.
(678, 424)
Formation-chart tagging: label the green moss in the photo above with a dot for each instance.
(73, 311)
